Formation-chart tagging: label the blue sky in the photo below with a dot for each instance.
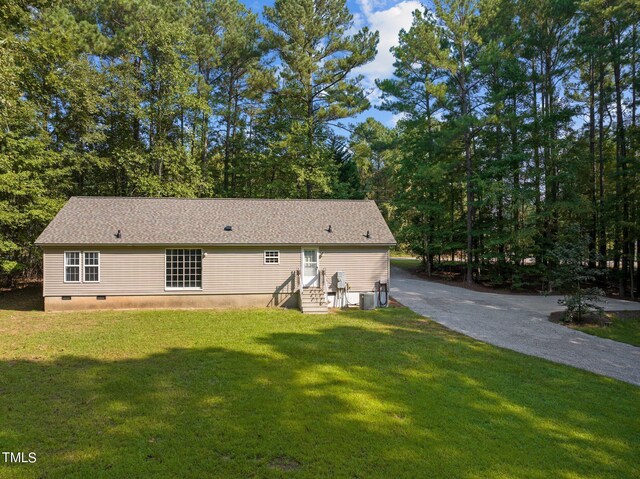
(385, 16)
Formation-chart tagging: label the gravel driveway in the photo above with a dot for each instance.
(520, 323)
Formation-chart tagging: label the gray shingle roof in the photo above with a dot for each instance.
(165, 221)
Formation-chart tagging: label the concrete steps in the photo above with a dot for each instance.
(312, 301)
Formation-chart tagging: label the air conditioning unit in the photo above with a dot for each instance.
(341, 280)
(367, 301)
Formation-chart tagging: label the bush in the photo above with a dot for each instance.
(582, 302)
(571, 272)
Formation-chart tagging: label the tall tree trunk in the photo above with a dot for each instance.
(470, 205)
(592, 156)
(602, 231)
(310, 135)
(634, 65)
(635, 256)
(204, 159)
(227, 141)
(464, 100)
(137, 65)
(621, 169)
(432, 194)
(233, 139)
(638, 265)
(536, 154)
(501, 198)
(515, 150)
(551, 166)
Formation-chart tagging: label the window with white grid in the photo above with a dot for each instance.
(183, 269)
(72, 266)
(91, 266)
(272, 257)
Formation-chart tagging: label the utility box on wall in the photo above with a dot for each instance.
(341, 280)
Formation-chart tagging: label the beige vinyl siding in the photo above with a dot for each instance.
(225, 270)
(122, 271)
(141, 271)
(363, 266)
(241, 270)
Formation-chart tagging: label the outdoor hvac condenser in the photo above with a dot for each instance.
(367, 301)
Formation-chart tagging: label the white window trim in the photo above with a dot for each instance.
(65, 265)
(264, 256)
(84, 280)
(190, 288)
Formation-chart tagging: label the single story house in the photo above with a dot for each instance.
(109, 252)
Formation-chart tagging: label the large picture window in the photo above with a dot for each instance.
(183, 269)
(72, 266)
(91, 266)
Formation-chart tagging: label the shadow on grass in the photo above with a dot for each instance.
(412, 400)
(23, 299)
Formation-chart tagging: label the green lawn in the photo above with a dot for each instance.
(625, 329)
(271, 393)
(410, 264)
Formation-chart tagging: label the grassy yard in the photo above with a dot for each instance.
(624, 327)
(410, 264)
(269, 393)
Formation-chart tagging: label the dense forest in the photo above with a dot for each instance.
(518, 135)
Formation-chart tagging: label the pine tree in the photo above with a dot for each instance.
(318, 56)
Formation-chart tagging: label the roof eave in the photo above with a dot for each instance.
(41, 244)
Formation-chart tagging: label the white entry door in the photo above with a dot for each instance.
(310, 276)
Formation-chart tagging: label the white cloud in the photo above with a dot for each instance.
(388, 22)
(366, 6)
(358, 22)
(393, 121)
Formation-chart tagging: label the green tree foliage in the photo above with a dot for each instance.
(438, 57)
(541, 97)
(573, 276)
(171, 98)
(317, 56)
(517, 119)
(146, 64)
(47, 97)
(373, 149)
(230, 49)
